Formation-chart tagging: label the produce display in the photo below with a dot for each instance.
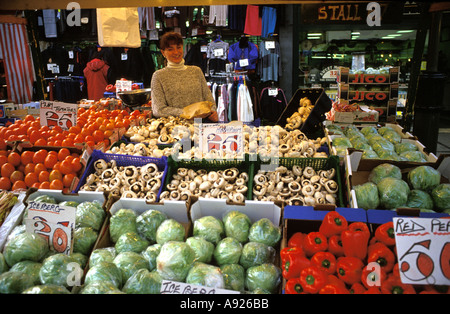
(296, 120)
(7, 201)
(333, 260)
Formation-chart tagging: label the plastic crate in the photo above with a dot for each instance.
(332, 162)
(124, 160)
(209, 165)
(322, 104)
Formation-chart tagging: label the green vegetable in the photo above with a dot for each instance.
(393, 193)
(234, 276)
(102, 254)
(415, 156)
(46, 289)
(45, 199)
(264, 231)
(228, 251)
(150, 254)
(80, 259)
(205, 275)
(104, 272)
(368, 130)
(3, 265)
(237, 225)
(420, 199)
(25, 247)
(90, 214)
(441, 197)
(129, 263)
(100, 287)
(170, 230)
(148, 222)
(14, 282)
(84, 239)
(393, 137)
(342, 142)
(203, 249)
(424, 178)
(384, 170)
(143, 281)
(30, 268)
(265, 276)
(123, 221)
(131, 242)
(256, 253)
(405, 147)
(175, 260)
(210, 228)
(367, 195)
(57, 269)
(69, 203)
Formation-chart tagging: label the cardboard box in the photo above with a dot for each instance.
(344, 76)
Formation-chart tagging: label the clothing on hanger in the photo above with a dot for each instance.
(253, 21)
(269, 20)
(218, 15)
(244, 58)
(272, 103)
(269, 63)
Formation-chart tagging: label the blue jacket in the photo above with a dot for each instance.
(251, 53)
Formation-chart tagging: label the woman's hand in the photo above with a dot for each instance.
(213, 116)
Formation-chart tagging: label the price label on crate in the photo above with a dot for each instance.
(226, 139)
(53, 222)
(56, 113)
(423, 250)
(174, 287)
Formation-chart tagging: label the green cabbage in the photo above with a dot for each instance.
(203, 249)
(392, 137)
(25, 247)
(228, 251)
(420, 199)
(405, 147)
(415, 156)
(14, 282)
(90, 214)
(368, 130)
(143, 281)
(84, 239)
(104, 272)
(384, 170)
(45, 199)
(234, 276)
(256, 253)
(266, 276)
(129, 263)
(264, 231)
(46, 289)
(100, 287)
(342, 142)
(237, 225)
(210, 228)
(170, 230)
(150, 254)
(30, 268)
(175, 260)
(393, 193)
(367, 195)
(424, 178)
(205, 275)
(123, 221)
(369, 154)
(148, 222)
(131, 242)
(80, 259)
(106, 254)
(69, 203)
(57, 269)
(385, 129)
(441, 197)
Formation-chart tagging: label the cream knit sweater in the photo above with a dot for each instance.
(174, 88)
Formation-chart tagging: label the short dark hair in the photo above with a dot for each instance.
(170, 38)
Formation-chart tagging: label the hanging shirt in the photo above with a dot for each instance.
(269, 65)
(219, 13)
(269, 20)
(250, 53)
(245, 105)
(217, 49)
(272, 107)
(253, 21)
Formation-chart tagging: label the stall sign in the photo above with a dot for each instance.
(225, 139)
(175, 287)
(329, 74)
(56, 113)
(423, 250)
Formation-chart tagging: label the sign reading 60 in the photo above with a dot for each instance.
(57, 235)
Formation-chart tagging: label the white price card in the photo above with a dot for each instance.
(226, 138)
(243, 63)
(270, 45)
(52, 221)
(218, 52)
(273, 92)
(423, 250)
(175, 287)
(56, 113)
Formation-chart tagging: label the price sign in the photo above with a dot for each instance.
(270, 45)
(123, 85)
(174, 287)
(423, 250)
(243, 63)
(53, 113)
(218, 52)
(54, 222)
(226, 139)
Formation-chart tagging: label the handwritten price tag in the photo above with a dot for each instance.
(224, 138)
(423, 250)
(174, 287)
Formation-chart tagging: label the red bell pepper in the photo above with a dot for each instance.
(294, 286)
(294, 265)
(385, 233)
(371, 277)
(333, 289)
(325, 261)
(393, 285)
(357, 288)
(333, 280)
(288, 251)
(333, 223)
(296, 240)
(382, 255)
(349, 269)
(373, 290)
(335, 246)
(313, 279)
(314, 242)
(355, 240)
